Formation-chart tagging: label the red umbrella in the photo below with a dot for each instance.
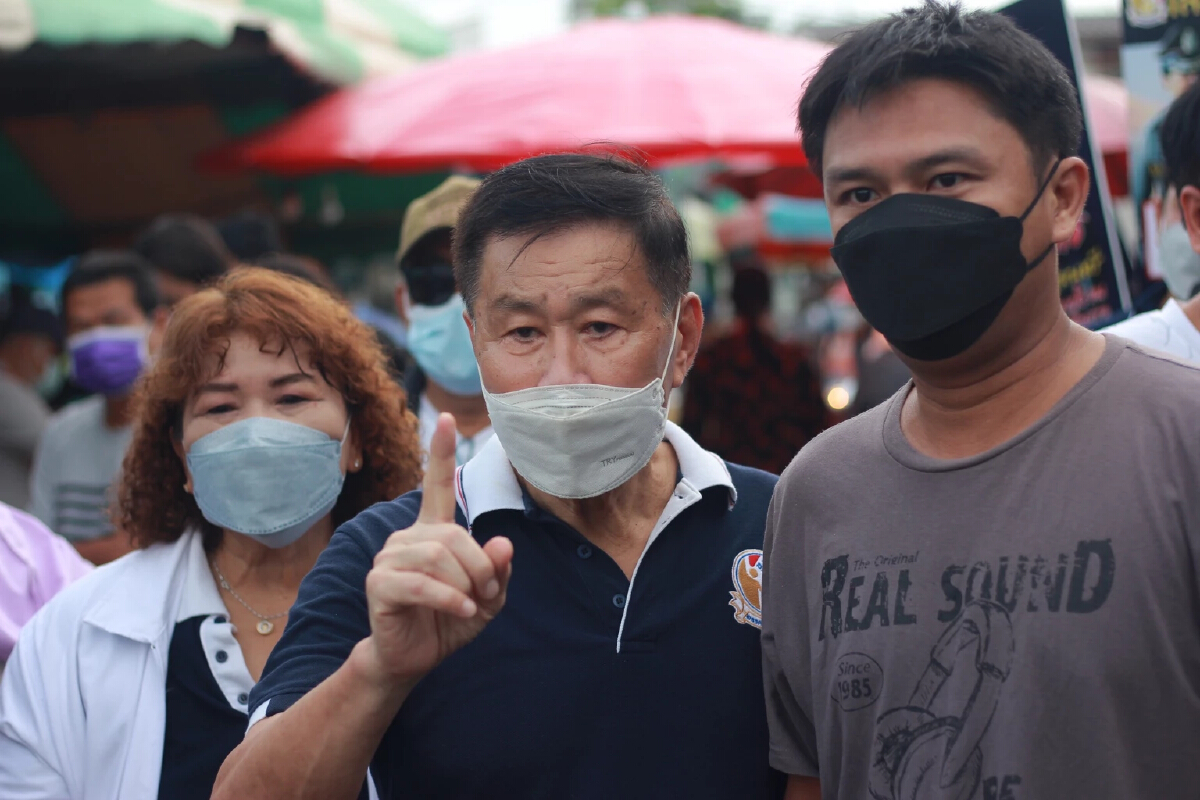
(674, 87)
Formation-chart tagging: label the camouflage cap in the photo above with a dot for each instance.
(438, 209)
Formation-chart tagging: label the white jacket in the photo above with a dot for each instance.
(83, 704)
(83, 697)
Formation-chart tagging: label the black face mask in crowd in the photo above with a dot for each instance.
(932, 273)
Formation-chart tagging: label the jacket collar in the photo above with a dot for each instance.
(488, 482)
(147, 586)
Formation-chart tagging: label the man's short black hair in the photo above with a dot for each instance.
(186, 247)
(551, 193)
(1022, 80)
(1180, 137)
(99, 266)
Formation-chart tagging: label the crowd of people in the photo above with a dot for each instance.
(489, 565)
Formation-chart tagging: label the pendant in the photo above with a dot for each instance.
(265, 626)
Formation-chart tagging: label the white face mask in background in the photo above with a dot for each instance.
(1179, 263)
(581, 440)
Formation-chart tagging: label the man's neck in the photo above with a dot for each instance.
(620, 522)
(976, 409)
(118, 411)
(470, 411)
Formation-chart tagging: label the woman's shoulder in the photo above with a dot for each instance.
(136, 582)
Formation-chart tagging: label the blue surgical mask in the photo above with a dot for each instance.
(440, 341)
(266, 478)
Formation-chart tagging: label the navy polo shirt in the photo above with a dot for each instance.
(587, 684)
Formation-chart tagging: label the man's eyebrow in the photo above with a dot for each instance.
(967, 155)
(605, 298)
(962, 155)
(848, 174)
(519, 305)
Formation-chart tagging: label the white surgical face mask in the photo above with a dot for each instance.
(581, 440)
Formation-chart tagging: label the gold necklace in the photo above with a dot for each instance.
(264, 626)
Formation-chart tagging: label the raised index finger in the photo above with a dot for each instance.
(437, 492)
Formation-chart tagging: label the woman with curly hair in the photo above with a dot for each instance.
(268, 419)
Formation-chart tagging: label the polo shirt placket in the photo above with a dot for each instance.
(589, 683)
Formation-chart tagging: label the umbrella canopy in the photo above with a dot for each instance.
(340, 41)
(674, 87)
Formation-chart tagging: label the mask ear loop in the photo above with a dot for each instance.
(1037, 199)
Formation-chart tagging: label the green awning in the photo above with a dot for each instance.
(342, 41)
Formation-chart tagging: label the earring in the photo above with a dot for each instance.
(357, 463)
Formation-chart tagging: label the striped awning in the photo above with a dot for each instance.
(341, 41)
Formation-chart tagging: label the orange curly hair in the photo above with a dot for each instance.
(152, 505)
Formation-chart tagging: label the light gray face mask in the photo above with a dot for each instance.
(1180, 264)
(581, 440)
(266, 478)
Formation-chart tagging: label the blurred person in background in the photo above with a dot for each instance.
(186, 252)
(1175, 328)
(444, 377)
(267, 421)
(302, 267)
(113, 322)
(30, 346)
(250, 235)
(35, 564)
(751, 398)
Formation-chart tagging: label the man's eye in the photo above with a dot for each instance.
(947, 180)
(523, 333)
(600, 328)
(861, 195)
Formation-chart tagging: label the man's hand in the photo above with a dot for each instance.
(433, 588)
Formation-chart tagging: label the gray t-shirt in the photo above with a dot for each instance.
(1020, 624)
(75, 471)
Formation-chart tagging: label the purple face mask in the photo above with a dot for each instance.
(108, 360)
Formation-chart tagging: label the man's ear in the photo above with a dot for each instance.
(1189, 208)
(402, 302)
(158, 328)
(688, 331)
(1069, 188)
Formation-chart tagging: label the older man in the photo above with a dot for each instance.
(574, 612)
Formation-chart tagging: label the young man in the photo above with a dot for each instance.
(113, 324)
(986, 587)
(443, 377)
(186, 252)
(1175, 328)
(612, 664)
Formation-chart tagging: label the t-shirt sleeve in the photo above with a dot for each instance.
(330, 614)
(785, 647)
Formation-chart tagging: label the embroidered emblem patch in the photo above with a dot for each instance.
(747, 585)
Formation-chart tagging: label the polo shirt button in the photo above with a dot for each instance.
(619, 600)
(584, 551)
(222, 656)
(220, 620)
(243, 698)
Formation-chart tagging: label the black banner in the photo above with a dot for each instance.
(1091, 267)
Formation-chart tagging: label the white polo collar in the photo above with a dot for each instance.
(200, 594)
(488, 482)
